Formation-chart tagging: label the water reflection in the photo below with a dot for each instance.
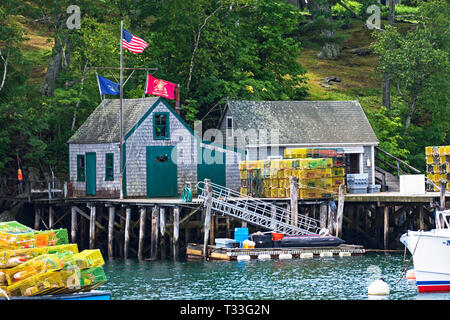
(337, 278)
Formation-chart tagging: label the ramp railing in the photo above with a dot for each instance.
(228, 202)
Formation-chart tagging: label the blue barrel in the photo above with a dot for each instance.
(240, 234)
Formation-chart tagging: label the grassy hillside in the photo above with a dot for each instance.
(38, 47)
(356, 72)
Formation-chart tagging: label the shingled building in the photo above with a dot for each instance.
(265, 128)
(161, 153)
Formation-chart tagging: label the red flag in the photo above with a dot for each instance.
(158, 87)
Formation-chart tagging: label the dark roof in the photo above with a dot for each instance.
(306, 122)
(103, 125)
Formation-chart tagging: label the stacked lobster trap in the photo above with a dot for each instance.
(320, 172)
(438, 166)
(34, 263)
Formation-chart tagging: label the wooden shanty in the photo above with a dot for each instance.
(161, 153)
(264, 129)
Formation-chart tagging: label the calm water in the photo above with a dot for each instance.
(336, 278)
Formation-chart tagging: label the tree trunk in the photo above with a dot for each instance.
(54, 67)
(386, 83)
(412, 108)
(391, 18)
(59, 60)
(5, 69)
(196, 44)
(386, 90)
(74, 118)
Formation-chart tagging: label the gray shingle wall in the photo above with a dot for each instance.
(180, 137)
(366, 169)
(101, 149)
(228, 141)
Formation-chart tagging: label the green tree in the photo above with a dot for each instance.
(219, 49)
(418, 60)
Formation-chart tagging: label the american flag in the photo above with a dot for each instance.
(133, 43)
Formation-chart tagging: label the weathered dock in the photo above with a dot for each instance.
(161, 228)
(195, 251)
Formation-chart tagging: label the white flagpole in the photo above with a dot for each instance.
(145, 86)
(98, 82)
(121, 119)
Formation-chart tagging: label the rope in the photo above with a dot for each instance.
(409, 262)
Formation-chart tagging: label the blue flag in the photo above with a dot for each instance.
(107, 87)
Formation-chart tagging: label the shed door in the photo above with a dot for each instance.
(161, 172)
(91, 173)
(211, 166)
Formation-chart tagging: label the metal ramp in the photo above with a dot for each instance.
(263, 214)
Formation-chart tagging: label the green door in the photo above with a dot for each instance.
(211, 165)
(91, 173)
(162, 174)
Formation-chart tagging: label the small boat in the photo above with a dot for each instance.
(89, 295)
(431, 254)
(310, 241)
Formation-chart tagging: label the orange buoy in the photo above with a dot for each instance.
(411, 275)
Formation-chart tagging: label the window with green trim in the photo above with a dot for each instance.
(109, 167)
(81, 167)
(161, 125)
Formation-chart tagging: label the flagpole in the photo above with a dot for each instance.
(121, 119)
(98, 82)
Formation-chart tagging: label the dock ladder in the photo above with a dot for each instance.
(228, 202)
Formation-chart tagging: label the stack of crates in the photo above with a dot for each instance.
(438, 166)
(14, 235)
(43, 262)
(319, 173)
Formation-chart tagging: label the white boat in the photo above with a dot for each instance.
(431, 254)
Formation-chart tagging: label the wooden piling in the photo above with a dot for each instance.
(162, 230)
(212, 227)
(330, 220)
(92, 219)
(111, 217)
(37, 218)
(73, 229)
(323, 208)
(51, 217)
(142, 218)
(208, 204)
(154, 233)
(386, 227)
(126, 245)
(340, 211)
(442, 194)
(273, 213)
(421, 220)
(176, 232)
(293, 184)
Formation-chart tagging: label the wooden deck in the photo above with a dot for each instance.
(364, 197)
(393, 197)
(195, 251)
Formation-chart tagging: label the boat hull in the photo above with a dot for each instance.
(310, 241)
(90, 295)
(431, 258)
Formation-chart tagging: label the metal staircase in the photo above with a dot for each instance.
(263, 214)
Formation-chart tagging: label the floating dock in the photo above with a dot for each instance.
(194, 251)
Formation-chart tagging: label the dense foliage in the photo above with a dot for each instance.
(215, 49)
